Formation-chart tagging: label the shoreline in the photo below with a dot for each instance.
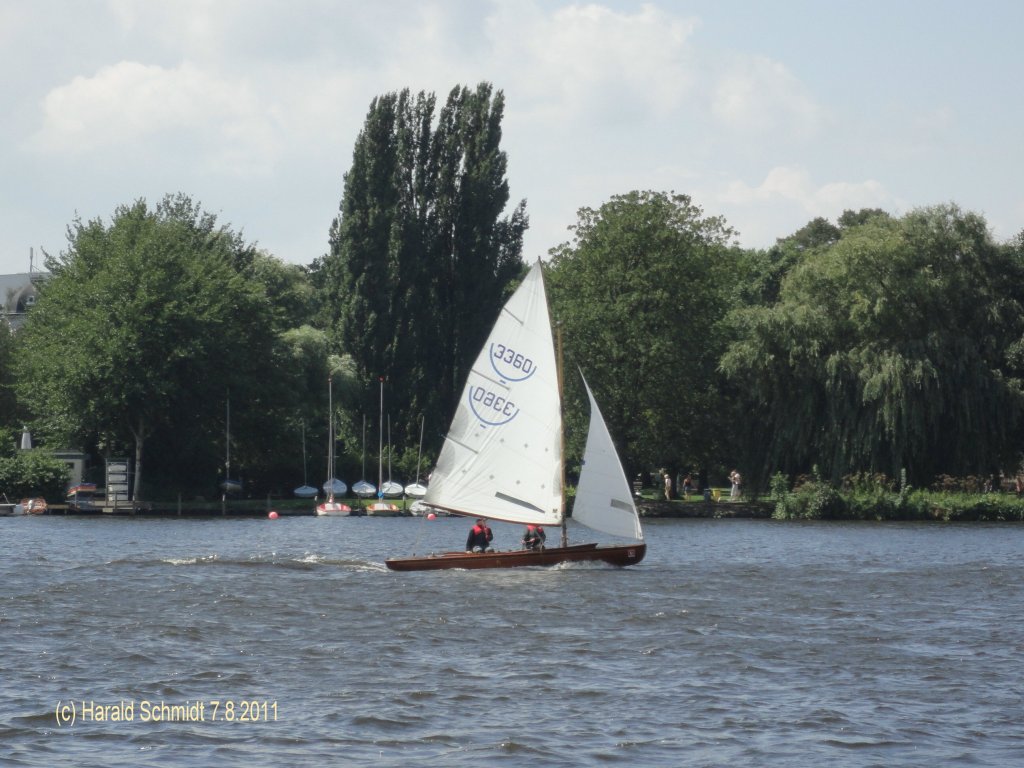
(648, 508)
(754, 510)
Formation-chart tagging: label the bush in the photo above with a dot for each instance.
(33, 473)
(811, 499)
(876, 497)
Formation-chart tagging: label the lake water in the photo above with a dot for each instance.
(238, 642)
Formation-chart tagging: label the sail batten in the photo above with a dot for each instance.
(518, 502)
(505, 310)
(460, 444)
(496, 382)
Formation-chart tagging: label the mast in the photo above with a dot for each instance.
(227, 440)
(330, 439)
(380, 447)
(420, 455)
(561, 445)
(364, 446)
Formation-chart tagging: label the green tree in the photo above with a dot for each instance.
(639, 296)
(764, 270)
(142, 330)
(420, 256)
(292, 296)
(8, 401)
(887, 350)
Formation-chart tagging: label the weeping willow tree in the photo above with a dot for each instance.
(887, 350)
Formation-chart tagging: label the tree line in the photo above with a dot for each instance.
(875, 344)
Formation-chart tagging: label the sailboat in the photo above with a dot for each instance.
(391, 489)
(502, 457)
(364, 489)
(333, 486)
(228, 484)
(381, 508)
(304, 491)
(417, 490)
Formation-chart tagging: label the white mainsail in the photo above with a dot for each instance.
(603, 499)
(502, 456)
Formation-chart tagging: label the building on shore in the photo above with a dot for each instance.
(18, 293)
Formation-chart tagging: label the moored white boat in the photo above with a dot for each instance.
(335, 487)
(333, 509)
(305, 492)
(416, 490)
(392, 489)
(364, 490)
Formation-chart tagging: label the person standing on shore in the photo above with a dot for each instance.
(734, 476)
(687, 486)
(668, 486)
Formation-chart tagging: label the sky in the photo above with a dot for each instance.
(768, 114)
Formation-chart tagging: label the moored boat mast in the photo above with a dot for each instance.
(561, 446)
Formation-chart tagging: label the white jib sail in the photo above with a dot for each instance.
(603, 499)
(502, 456)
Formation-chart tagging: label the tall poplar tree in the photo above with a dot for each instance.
(420, 254)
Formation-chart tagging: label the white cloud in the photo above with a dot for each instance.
(795, 185)
(254, 106)
(759, 95)
(128, 105)
(589, 62)
(788, 198)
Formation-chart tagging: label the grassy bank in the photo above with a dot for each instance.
(815, 499)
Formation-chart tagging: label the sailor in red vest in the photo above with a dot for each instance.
(479, 539)
(534, 537)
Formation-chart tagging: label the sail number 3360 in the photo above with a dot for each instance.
(510, 364)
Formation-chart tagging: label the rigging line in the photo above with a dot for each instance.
(416, 543)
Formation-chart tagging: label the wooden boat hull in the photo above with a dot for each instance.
(383, 509)
(620, 555)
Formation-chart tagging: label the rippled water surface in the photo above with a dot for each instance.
(739, 643)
